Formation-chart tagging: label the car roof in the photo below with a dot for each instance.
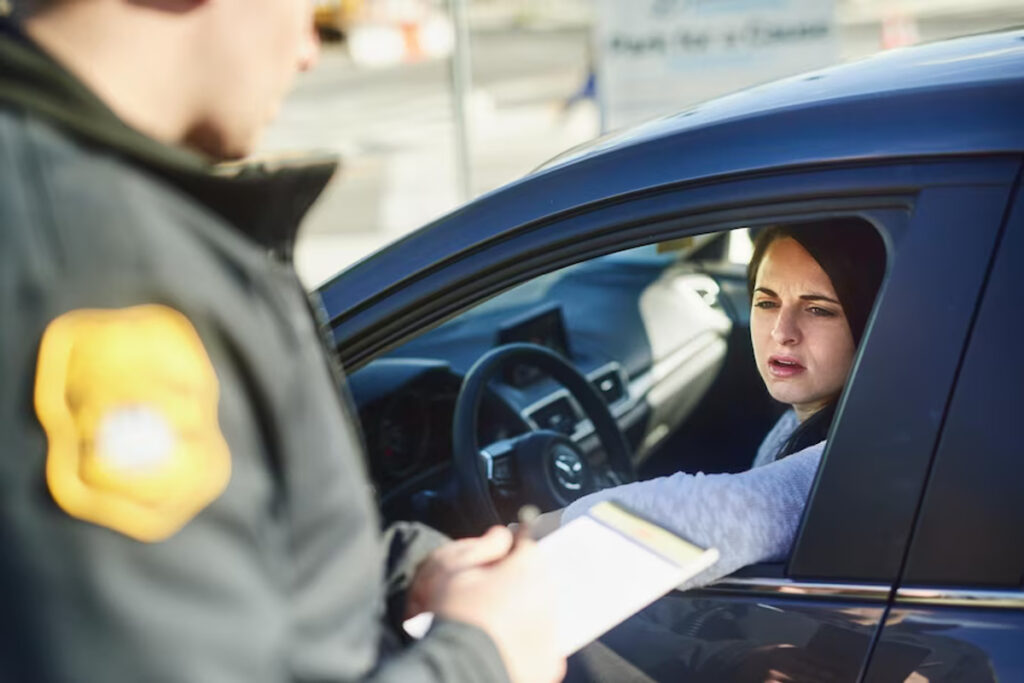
(955, 98)
(985, 72)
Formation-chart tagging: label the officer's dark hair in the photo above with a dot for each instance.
(20, 9)
(852, 254)
(23, 8)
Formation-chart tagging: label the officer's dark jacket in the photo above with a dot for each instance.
(281, 578)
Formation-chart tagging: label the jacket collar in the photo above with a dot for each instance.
(265, 200)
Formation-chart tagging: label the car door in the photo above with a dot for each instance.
(828, 601)
(818, 614)
(961, 595)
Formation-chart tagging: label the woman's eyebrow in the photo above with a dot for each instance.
(818, 297)
(803, 297)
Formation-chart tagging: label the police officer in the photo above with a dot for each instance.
(182, 493)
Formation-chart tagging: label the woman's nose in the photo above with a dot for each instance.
(786, 330)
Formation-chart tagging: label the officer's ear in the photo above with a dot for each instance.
(309, 51)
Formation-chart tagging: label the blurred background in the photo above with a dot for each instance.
(433, 102)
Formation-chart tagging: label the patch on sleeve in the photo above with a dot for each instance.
(128, 400)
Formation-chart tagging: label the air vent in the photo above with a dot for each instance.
(609, 385)
(558, 415)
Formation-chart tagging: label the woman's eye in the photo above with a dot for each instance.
(821, 312)
(764, 303)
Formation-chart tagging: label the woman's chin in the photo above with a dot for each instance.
(786, 392)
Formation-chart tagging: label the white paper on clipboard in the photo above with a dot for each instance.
(609, 564)
(606, 566)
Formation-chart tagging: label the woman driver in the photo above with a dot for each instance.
(812, 287)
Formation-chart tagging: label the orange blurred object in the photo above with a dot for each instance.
(899, 29)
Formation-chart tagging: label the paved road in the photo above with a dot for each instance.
(393, 126)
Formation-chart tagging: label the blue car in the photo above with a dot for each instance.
(589, 325)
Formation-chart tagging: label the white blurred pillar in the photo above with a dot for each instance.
(461, 77)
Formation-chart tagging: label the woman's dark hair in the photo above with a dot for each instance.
(852, 254)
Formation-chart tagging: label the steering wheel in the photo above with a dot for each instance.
(542, 467)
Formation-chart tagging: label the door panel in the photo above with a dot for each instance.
(956, 644)
(961, 593)
(742, 634)
(972, 515)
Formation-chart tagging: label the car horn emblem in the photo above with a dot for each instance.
(568, 469)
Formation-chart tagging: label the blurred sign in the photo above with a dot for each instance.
(658, 56)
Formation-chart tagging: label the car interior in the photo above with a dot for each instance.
(509, 402)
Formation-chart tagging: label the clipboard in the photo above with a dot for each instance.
(605, 566)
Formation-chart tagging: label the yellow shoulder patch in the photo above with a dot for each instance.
(128, 400)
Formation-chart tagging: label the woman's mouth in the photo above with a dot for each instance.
(784, 366)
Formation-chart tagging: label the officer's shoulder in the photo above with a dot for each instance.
(82, 200)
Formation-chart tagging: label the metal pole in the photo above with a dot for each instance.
(461, 76)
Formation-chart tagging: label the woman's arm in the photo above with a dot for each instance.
(750, 517)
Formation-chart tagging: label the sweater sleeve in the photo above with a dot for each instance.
(749, 517)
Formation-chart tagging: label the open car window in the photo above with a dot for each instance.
(660, 331)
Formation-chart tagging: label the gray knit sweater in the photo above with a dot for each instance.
(750, 517)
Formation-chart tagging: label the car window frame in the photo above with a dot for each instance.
(505, 256)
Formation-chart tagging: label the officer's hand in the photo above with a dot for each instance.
(453, 557)
(510, 598)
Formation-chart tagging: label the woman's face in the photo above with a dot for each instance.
(802, 342)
